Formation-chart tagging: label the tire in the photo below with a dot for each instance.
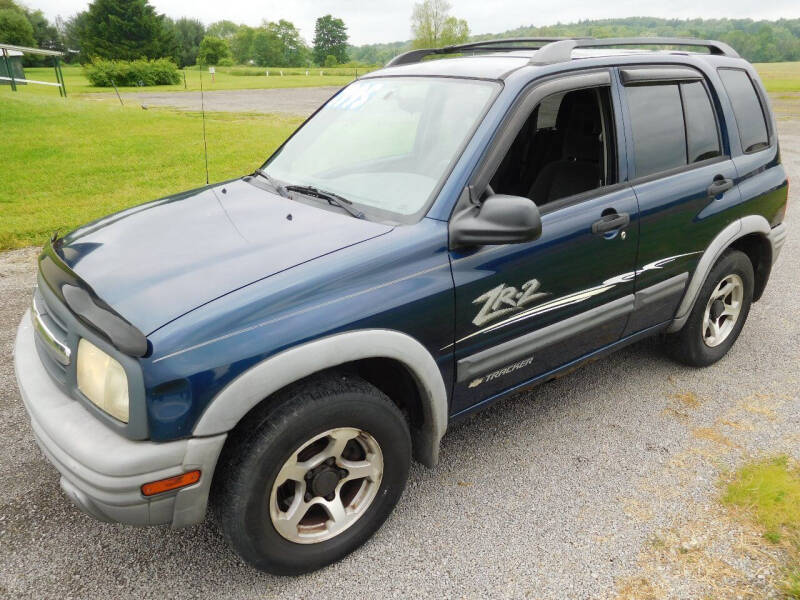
(696, 344)
(255, 511)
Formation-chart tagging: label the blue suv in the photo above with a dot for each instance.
(439, 235)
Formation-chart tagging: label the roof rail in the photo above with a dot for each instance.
(561, 51)
(497, 45)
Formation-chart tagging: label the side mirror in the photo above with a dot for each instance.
(500, 219)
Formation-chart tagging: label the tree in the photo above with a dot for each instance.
(72, 32)
(15, 28)
(212, 50)
(267, 49)
(242, 44)
(433, 27)
(330, 39)
(293, 50)
(45, 34)
(455, 31)
(224, 30)
(125, 30)
(189, 34)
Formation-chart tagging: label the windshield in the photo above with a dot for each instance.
(385, 143)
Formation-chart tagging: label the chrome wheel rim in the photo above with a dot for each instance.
(722, 310)
(326, 485)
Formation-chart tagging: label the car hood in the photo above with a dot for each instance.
(158, 261)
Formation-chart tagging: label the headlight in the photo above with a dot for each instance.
(102, 380)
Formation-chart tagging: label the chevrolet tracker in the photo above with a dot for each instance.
(439, 235)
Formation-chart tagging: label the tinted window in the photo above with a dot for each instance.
(659, 139)
(565, 148)
(747, 108)
(701, 124)
(548, 111)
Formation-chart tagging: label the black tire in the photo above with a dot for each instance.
(688, 345)
(270, 435)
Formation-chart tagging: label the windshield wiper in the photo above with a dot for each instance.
(281, 189)
(333, 199)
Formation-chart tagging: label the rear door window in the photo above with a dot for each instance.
(747, 109)
(701, 123)
(659, 137)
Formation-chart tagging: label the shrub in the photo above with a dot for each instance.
(330, 61)
(105, 73)
(225, 62)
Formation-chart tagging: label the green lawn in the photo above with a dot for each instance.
(767, 492)
(78, 84)
(67, 162)
(780, 77)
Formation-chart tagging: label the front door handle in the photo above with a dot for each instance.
(611, 222)
(719, 186)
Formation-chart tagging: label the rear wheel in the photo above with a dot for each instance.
(311, 476)
(718, 314)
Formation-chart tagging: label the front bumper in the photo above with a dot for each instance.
(101, 471)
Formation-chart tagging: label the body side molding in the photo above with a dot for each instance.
(521, 347)
(276, 372)
(734, 231)
(660, 291)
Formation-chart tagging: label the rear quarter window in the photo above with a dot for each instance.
(747, 109)
(701, 123)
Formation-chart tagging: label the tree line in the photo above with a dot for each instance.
(131, 29)
(757, 41)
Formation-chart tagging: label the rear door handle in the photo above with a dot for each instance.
(719, 186)
(611, 222)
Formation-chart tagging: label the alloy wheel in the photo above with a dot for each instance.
(326, 485)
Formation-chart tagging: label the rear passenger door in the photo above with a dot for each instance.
(683, 178)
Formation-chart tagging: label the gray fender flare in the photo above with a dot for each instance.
(247, 390)
(734, 231)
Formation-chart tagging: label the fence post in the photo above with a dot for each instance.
(10, 72)
(60, 77)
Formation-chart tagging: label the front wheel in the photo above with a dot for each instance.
(718, 314)
(312, 475)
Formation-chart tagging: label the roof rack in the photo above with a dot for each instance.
(552, 50)
(561, 51)
(498, 45)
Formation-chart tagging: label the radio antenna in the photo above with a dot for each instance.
(203, 112)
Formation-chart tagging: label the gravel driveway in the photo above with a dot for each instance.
(297, 101)
(600, 484)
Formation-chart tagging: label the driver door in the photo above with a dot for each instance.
(524, 310)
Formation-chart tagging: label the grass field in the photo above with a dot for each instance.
(767, 493)
(67, 162)
(778, 77)
(78, 84)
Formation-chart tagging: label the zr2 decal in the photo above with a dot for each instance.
(504, 299)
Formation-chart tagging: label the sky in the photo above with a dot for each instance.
(376, 21)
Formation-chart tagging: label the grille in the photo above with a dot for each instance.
(52, 359)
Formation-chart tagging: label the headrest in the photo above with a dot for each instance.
(579, 119)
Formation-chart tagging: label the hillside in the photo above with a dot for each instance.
(757, 41)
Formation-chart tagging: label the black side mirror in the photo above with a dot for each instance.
(499, 219)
